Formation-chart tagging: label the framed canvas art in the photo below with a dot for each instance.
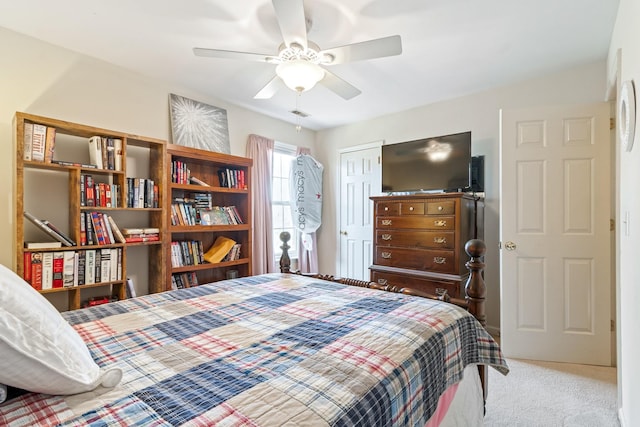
(198, 125)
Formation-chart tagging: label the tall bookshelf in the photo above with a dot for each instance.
(205, 226)
(52, 190)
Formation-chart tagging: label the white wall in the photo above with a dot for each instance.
(477, 113)
(39, 78)
(626, 36)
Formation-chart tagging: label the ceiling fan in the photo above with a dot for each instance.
(300, 62)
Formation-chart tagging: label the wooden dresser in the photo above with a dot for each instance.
(419, 240)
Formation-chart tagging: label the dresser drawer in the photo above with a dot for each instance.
(416, 239)
(388, 209)
(420, 222)
(443, 207)
(432, 287)
(411, 208)
(441, 261)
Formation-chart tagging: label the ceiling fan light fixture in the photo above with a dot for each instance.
(300, 75)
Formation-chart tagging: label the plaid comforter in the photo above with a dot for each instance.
(267, 350)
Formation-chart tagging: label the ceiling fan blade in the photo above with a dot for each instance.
(293, 23)
(340, 87)
(231, 54)
(270, 89)
(377, 48)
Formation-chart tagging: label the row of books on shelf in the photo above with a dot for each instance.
(98, 194)
(63, 269)
(181, 174)
(232, 178)
(188, 214)
(98, 228)
(184, 280)
(142, 193)
(38, 142)
(188, 252)
(106, 152)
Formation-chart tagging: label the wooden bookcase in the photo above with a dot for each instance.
(207, 166)
(52, 191)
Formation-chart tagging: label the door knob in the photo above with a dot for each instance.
(510, 246)
(343, 233)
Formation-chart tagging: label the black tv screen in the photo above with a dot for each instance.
(439, 163)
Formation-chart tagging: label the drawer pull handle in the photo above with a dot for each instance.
(382, 281)
(386, 222)
(440, 240)
(386, 255)
(440, 223)
(439, 260)
(411, 208)
(386, 208)
(386, 237)
(440, 208)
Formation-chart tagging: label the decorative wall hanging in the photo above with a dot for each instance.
(198, 125)
(627, 114)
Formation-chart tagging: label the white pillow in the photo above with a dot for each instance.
(39, 350)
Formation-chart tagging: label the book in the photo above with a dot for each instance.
(118, 153)
(117, 234)
(90, 267)
(42, 245)
(57, 230)
(68, 269)
(40, 224)
(38, 142)
(197, 181)
(95, 151)
(50, 144)
(26, 263)
(36, 270)
(77, 164)
(58, 269)
(47, 270)
(27, 140)
(130, 289)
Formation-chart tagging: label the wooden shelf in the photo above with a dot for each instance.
(205, 166)
(60, 197)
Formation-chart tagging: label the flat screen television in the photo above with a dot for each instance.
(440, 163)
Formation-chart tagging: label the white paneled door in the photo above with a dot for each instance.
(360, 178)
(555, 234)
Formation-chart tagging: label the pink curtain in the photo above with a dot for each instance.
(307, 260)
(260, 149)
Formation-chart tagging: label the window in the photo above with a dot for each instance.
(283, 155)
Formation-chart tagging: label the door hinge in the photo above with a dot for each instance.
(612, 123)
(612, 225)
(499, 245)
(379, 160)
(613, 325)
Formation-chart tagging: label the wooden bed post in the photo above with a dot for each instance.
(285, 261)
(476, 292)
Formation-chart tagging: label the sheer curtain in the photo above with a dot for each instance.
(307, 260)
(260, 149)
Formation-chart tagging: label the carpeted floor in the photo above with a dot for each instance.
(548, 394)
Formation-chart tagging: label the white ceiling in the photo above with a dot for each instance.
(451, 48)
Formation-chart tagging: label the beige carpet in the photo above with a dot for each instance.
(547, 394)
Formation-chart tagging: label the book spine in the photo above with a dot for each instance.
(105, 265)
(36, 270)
(117, 234)
(90, 267)
(95, 151)
(68, 269)
(26, 264)
(38, 142)
(113, 267)
(27, 141)
(57, 230)
(107, 226)
(82, 259)
(58, 269)
(48, 270)
(50, 144)
(99, 232)
(118, 153)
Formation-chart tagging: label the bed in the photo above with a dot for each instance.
(277, 349)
